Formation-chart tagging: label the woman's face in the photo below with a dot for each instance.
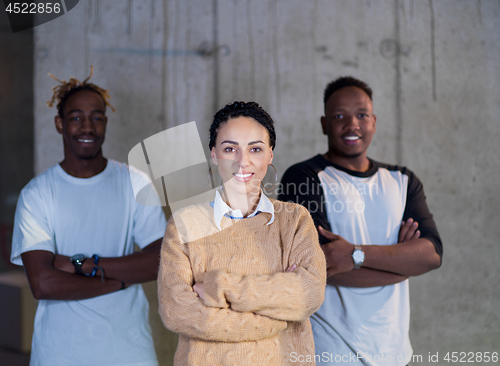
(242, 153)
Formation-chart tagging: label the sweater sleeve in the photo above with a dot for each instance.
(290, 296)
(182, 311)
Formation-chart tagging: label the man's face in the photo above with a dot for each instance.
(349, 123)
(83, 125)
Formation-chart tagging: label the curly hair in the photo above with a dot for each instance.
(344, 82)
(242, 109)
(66, 89)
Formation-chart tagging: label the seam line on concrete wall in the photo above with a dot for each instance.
(433, 51)
(251, 48)
(398, 87)
(216, 57)
(274, 20)
(163, 122)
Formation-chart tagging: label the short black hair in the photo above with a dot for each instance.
(242, 109)
(344, 82)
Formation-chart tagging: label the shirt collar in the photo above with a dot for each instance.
(221, 209)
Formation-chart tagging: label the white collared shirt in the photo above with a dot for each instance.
(221, 209)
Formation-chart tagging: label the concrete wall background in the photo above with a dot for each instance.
(433, 66)
(16, 126)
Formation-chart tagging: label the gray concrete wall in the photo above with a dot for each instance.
(433, 66)
(16, 126)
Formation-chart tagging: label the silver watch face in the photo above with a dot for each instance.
(358, 256)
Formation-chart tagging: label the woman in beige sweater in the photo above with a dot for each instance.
(240, 276)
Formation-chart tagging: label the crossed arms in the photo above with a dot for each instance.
(237, 307)
(416, 252)
(384, 264)
(52, 276)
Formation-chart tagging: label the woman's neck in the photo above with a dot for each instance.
(246, 203)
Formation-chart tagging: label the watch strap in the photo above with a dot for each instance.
(78, 267)
(77, 261)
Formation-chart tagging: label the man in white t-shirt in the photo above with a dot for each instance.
(366, 213)
(75, 229)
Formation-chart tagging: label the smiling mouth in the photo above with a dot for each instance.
(351, 138)
(86, 140)
(243, 178)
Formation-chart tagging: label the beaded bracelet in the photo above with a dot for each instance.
(97, 267)
(96, 262)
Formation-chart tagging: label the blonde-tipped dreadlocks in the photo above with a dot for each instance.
(67, 88)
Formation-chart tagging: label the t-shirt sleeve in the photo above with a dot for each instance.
(417, 209)
(300, 184)
(32, 230)
(149, 220)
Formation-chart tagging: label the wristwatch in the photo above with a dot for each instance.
(358, 256)
(77, 261)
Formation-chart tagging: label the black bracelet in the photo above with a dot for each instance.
(123, 286)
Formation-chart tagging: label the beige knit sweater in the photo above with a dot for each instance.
(254, 313)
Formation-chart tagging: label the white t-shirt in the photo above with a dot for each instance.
(67, 215)
(361, 326)
(374, 323)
